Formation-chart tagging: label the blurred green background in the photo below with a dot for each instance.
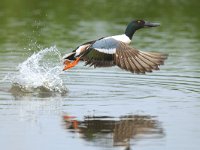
(66, 23)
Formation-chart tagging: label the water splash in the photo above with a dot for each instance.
(40, 72)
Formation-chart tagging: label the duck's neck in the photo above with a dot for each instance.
(130, 32)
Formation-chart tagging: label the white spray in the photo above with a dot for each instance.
(39, 72)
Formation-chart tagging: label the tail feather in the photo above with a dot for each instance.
(69, 56)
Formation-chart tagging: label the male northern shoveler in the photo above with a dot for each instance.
(115, 50)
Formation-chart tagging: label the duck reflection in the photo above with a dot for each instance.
(118, 131)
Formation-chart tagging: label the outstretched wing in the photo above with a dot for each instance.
(109, 52)
(137, 61)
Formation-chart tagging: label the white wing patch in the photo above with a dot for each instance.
(107, 51)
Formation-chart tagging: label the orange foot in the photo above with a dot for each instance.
(69, 64)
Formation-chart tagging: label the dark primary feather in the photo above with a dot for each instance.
(98, 59)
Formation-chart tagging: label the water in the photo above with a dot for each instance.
(38, 73)
(42, 107)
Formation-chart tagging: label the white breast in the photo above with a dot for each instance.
(122, 38)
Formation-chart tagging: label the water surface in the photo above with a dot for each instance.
(42, 107)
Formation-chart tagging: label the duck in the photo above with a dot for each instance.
(116, 51)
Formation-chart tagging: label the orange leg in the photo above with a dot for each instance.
(75, 124)
(69, 64)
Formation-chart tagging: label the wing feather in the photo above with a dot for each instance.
(138, 61)
(133, 65)
(121, 60)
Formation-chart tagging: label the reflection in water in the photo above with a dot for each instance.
(103, 130)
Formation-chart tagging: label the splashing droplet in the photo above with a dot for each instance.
(40, 72)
